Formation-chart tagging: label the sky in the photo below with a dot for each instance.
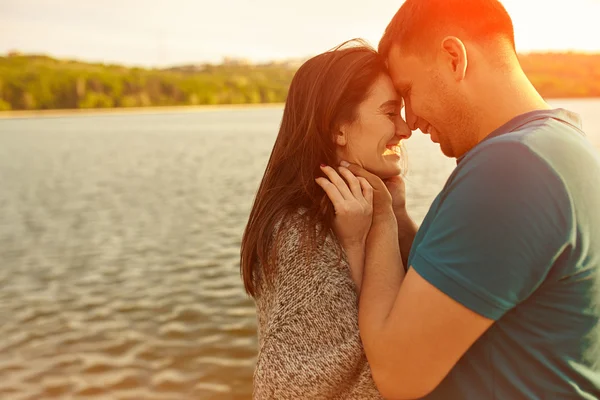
(158, 33)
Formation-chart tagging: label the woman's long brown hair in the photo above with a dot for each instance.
(324, 94)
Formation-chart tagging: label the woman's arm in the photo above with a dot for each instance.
(356, 260)
(407, 230)
(352, 199)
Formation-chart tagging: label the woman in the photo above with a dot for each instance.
(304, 278)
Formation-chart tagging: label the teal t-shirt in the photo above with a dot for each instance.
(515, 236)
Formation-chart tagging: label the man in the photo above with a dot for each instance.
(502, 295)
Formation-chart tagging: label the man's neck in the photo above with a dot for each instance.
(505, 97)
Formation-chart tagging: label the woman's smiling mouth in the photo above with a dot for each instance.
(392, 149)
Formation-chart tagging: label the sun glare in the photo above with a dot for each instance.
(551, 25)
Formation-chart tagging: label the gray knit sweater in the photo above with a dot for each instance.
(309, 343)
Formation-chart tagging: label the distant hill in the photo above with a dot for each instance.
(563, 74)
(37, 82)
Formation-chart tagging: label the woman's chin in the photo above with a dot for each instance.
(388, 172)
(384, 169)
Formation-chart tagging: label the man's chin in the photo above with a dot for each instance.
(447, 151)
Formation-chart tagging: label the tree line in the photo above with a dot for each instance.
(33, 82)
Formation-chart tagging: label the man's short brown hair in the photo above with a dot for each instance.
(418, 22)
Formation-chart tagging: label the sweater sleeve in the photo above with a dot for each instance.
(310, 345)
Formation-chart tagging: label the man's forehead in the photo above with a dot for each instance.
(401, 63)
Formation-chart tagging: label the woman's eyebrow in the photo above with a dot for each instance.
(390, 103)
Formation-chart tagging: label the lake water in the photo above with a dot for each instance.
(119, 246)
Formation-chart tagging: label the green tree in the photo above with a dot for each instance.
(96, 100)
(41, 82)
(4, 105)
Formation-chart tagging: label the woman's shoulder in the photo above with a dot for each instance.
(297, 236)
(304, 260)
(302, 252)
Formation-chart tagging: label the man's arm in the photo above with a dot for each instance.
(490, 246)
(429, 346)
(382, 275)
(408, 354)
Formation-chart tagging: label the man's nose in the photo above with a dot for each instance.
(414, 122)
(411, 118)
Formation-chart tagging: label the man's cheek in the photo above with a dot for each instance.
(416, 122)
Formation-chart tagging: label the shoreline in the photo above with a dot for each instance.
(32, 114)
(25, 114)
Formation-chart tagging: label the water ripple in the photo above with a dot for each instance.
(119, 246)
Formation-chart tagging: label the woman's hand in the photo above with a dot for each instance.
(382, 198)
(389, 207)
(397, 189)
(352, 200)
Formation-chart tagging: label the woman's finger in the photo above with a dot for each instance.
(375, 182)
(367, 190)
(337, 180)
(353, 182)
(332, 192)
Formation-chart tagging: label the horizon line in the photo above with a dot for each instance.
(245, 61)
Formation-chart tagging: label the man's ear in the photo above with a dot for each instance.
(341, 136)
(455, 53)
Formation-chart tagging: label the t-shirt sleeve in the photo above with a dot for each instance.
(502, 222)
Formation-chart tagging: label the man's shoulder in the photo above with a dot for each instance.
(547, 148)
(550, 139)
(508, 159)
(512, 174)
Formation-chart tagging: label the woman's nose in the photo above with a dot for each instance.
(405, 134)
(402, 129)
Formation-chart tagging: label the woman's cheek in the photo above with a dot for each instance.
(355, 154)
